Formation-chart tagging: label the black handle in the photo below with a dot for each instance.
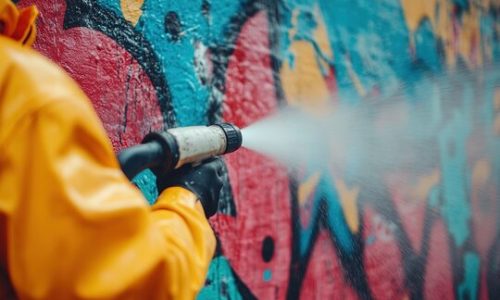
(135, 159)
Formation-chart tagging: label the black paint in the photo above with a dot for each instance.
(173, 25)
(221, 54)
(267, 249)
(84, 13)
(205, 8)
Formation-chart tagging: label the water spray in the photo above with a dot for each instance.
(173, 148)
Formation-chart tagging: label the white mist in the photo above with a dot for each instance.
(382, 133)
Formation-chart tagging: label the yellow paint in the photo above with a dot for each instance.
(424, 185)
(469, 45)
(131, 10)
(355, 78)
(416, 11)
(321, 38)
(304, 82)
(465, 42)
(307, 187)
(348, 198)
(481, 173)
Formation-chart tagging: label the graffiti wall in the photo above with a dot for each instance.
(427, 232)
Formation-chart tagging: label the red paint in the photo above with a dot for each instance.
(382, 257)
(260, 185)
(438, 283)
(250, 88)
(410, 210)
(324, 277)
(331, 82)
(119, 89)
(126, 102)
(483, 287)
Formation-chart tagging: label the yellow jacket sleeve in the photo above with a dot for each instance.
(18, 24)
(74, 227)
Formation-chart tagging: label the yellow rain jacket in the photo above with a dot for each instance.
(71, 225)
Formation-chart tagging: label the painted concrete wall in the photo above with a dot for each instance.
(314, 234)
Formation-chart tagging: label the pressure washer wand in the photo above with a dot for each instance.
(176, 147)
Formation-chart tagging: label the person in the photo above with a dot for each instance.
(71, 225)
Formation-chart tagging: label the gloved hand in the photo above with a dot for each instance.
(204, 180)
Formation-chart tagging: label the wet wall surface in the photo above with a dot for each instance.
(430, 232)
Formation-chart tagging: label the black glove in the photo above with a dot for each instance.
(204, 180)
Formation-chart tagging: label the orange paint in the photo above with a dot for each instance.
(349, 198)
(461, 37)
(132, 10)
(424, 185)
(307, 187)
(481, 173)
(303, 80)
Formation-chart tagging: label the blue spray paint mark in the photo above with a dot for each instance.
(306, 24)
(469, 287)
(267, 275)
(336, 219)
(433, 197)
(220, 282)
(337, 224)
(221, 13)
(145, 181)
(379, 60)
(489, 116)
(452, 151)
(462, 3)
(113, 5)
(426, 46)
(487, 27)
(189, 96)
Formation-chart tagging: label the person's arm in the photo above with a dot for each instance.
(78, 229)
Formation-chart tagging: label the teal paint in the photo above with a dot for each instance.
(433, 198)
(113, 5)
(427, 48)
(145, 181)
(452, 149)
(373, 38)
(189, 95)
(267, 275)
(221, 13)
(336, 219)
(381, 61)
(468, 289)
(487, 24)
(326, 194)
(220, 283)
(489, 117)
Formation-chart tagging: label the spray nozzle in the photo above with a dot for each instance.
(233, 136)
(176, 147)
